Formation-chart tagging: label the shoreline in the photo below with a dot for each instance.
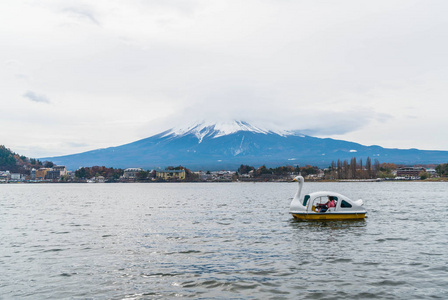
(240, 181)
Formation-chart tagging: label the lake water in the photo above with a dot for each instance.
(220, 241)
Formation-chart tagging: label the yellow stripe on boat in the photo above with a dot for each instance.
(314, 216)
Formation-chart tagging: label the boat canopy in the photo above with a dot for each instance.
(311, 201)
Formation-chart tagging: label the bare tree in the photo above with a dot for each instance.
(353, 167)
(361, 170)
(346, 169)
(376, 167)
(339, 169)
(369, 167)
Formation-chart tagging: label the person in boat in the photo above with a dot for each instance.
(328, 204)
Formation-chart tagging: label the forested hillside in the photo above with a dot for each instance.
(15, 163)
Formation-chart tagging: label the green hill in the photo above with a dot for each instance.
(13, 162)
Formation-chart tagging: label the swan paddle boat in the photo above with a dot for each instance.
(313, 206)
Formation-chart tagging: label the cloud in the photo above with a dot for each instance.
(77, 145)
(36, 97)
(82, 14)
(348, 69)
(326, 123)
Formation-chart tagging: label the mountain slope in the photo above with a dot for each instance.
(210, 146)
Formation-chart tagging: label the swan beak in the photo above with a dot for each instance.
(295, 179)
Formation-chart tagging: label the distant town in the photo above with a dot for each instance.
(244, 173)
(20, 169)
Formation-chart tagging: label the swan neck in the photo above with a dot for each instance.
(299, 190)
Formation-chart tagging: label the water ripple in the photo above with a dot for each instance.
(218, 241)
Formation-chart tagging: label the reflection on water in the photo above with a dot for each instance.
(331, 224)
(235, 240)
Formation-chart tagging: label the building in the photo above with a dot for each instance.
(223, 175)
(4, 176)
(61, 169)
(131, 173)
(170, 174)
(409, 172)
(431, 172)
(48, 173)
(203, 176)
(17, 177)
(41, 173)
(52, 174)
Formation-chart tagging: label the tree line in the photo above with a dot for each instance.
(442, 170)
(278, 172)
(109, 174)
(355, 169)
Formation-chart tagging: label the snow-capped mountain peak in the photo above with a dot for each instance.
(217, 129)
(219, 146)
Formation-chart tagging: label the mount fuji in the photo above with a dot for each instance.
(217, 146)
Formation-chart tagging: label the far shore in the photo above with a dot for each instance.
(441, 179)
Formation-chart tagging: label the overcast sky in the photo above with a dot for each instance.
(81, 75)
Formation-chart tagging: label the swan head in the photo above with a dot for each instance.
(299, 179)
